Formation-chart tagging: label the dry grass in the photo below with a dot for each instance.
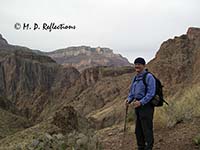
(180, 109)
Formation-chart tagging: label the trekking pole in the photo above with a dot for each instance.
(126, 112)
(125, 118)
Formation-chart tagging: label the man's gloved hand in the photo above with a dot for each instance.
(137, 104)
(126, 102)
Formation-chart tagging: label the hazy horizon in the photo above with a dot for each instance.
(131, 28)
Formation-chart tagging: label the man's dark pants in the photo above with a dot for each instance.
(144, 127)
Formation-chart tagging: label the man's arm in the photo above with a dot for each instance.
(151, 89)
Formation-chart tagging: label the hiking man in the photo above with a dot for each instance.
(141, 96)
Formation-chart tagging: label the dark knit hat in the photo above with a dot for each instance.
(139, 60)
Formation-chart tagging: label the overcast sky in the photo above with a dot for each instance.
(129, 27)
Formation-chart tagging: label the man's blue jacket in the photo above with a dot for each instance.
(137, 89)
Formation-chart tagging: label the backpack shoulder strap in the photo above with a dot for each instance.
(144, 78)
(144, 81)
(134, 79)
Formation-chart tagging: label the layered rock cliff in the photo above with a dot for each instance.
(84, 57)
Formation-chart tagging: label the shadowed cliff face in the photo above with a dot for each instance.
(28, 79)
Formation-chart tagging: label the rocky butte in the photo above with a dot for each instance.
(83, 57)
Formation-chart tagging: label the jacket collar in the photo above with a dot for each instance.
(141, 74)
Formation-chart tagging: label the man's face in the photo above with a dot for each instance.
(139, 67)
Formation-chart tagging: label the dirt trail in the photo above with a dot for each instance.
(176, 138)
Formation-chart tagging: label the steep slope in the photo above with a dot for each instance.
(83, 57)
(177, 61)
(30, 80)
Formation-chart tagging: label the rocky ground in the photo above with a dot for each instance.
(179, 137)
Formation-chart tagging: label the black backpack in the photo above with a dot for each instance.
(158, 99)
